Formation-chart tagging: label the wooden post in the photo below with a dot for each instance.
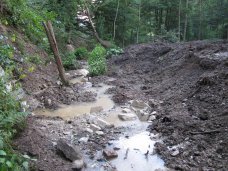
(53, 44)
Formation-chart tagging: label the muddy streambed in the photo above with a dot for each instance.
(134, 147)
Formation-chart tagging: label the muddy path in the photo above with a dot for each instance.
(160, 106)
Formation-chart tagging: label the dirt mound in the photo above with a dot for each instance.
(192, 81)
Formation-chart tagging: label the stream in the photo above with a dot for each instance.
(135, 147)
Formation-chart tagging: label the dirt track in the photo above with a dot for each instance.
(190, 82)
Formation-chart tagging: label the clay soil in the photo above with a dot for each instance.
(190, 82)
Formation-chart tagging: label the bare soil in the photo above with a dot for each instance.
(191, 79)
(190, 82)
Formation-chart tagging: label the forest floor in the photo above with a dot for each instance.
(185, 86)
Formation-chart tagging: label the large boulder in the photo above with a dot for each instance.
(69, 150)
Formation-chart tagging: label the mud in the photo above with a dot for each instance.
(191, 80)
(186, 84)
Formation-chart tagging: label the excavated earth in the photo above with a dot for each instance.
(185, 83)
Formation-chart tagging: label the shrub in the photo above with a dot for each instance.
(70, 62)
(114, 51)
(10, 119)
(81, 53)
(97, 61)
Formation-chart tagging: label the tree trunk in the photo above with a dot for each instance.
(53, 44)
(179, 21)
(139, 20)
(186, 21)
(114, 29)
(200, 22)
(104, 43)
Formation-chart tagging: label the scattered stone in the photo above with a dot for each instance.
(152, 118)
(83, 72)
(84, 80)
(95, 127)
(139, 104)
(84, 140)
(59, 83)
(99, 132)
(96, 109)
(116, 148)
(78, 164)
(175, 153)
(70, 151)
(89, 130)
(49, 102)
(154, 113)
(126, 110)
(110, 154)
(127, 117)
(103, 124)
(143, 116)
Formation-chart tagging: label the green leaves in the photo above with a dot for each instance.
(97, 61)
(2, 153)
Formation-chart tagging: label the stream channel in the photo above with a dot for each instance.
(135, 146)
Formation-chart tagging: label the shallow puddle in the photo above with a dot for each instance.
(136, 153)
(77, 109)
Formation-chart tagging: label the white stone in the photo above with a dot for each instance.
(89, 130)
(84, 139)
(126, 110)
(95, 127)
(127, 117)
(152, 118)
(102, 123)
(99, 132)
(83, 72)
(78, 164)
(139, 104)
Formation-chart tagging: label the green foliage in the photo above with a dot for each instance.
(10, 118)
(114, 51)
(70, 62)
(35, 59)
(26, 16)
(97, 61)
(6, 55)
(81, 53)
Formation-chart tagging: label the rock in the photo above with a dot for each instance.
(126, 110)
(84, 80)
(70, 151)
(70, 48)
(110, 154)
(175, 153)
(143, 116)
(139, 104)
(127, 116)
(95, 127)
(59, 83)
(89, 130)
(154, 113)
(96, 109)
(99, 132)
(78, 164)
(102, 123)
(151, 118)
(83, 72)
(84, 140)
(49, 102)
